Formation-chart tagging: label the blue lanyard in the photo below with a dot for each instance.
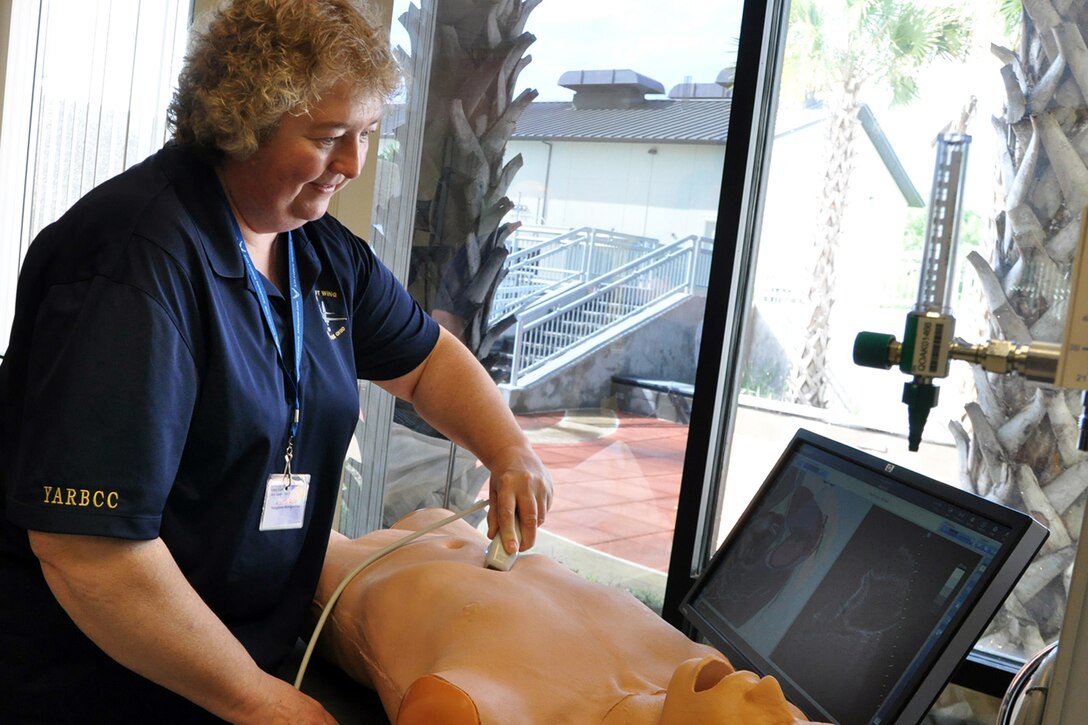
(296, 322)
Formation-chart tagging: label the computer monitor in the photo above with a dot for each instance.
(858, 584)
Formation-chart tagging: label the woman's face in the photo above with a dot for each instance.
(309, 157)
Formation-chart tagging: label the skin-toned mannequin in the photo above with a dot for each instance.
(444, 639)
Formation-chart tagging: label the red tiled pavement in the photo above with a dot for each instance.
(617, 475)
(617, 479)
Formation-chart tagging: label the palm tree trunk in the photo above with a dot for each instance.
(471, 111)
(809, 383)
(1021, 449)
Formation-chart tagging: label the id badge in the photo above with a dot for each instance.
(285, 501)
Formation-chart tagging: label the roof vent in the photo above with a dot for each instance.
(726, 78)
(621, 88)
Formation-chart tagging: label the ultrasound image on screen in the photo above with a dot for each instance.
(859, 587)
(783, 533)
(871, 614)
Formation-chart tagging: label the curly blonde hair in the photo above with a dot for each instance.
(259, 59)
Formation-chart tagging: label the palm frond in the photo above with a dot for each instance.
(953, 36)
(904, 87)
(1011, 14)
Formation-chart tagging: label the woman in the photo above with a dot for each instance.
(180, 389)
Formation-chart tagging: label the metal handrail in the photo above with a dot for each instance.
(539, 269)
(545, 331)
(590, 235)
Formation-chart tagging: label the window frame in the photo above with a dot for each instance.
(759, 62)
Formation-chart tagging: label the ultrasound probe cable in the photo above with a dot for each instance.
(364, 564)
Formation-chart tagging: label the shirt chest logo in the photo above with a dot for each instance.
(333, 312)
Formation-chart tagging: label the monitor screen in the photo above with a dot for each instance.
(857, 584)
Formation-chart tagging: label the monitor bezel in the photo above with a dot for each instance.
(1026, 538)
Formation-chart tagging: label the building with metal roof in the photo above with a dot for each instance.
(655, 121)
(612, 105)
(616, 157)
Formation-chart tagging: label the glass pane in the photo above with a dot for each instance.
(562, 224)
(961, 706)
(89, 83)
(848, 217)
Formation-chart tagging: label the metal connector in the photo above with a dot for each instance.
(1037, 361)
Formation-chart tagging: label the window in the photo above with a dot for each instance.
(599, 163)
(85, 96)
(829, 245)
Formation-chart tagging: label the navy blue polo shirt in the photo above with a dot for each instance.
(142, 397)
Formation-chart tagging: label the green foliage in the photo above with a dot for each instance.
(972, 229)
(953, 32)
(1011, 13)
(839, 44)
(803, 68)
(388, 152)
(767, 382)
(904, 87)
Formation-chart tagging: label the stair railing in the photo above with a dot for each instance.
(544, 332)
(544, 268)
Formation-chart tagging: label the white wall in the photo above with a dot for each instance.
(655, 190)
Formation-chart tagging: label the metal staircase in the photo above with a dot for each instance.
(575, 292)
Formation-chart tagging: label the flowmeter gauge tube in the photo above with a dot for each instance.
(928, 335)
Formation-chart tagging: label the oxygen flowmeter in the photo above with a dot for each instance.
(928, 340)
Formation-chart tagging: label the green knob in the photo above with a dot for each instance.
(871, 350)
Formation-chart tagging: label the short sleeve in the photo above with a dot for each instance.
(109, 396)
(391, 332)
